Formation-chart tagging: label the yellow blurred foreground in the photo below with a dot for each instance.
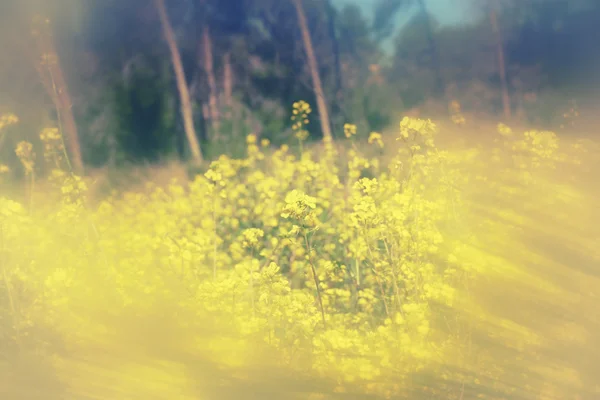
(422, 273)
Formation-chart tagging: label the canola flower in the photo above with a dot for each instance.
(7, 120)
(300, 116)
(358, 274)
(376, 138)
(349, 130)
(26, 155)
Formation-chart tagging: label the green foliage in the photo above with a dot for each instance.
(145, 114)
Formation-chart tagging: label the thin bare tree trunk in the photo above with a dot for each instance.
(501, 63)
(314, 71)
(228, 83)
(186, 104)
(67, 118)
(212, 82)
(52, 77)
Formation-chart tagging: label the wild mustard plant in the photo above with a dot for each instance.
(367, 272)
(349, 130)
(300, 113)
(7, 120)
(376, 138)
(26, 155)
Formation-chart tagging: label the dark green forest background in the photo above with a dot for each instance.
(119, 77)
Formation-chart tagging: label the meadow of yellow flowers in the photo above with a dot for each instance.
(418, 273)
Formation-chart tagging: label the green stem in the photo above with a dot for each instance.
(60, 129)
(316, 279)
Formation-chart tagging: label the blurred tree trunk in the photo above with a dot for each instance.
(335, 49)
(227, 80)
(314, 71)
(186, 105)
(52, 77)
(213, 110)
(501, 62)
(435, 59)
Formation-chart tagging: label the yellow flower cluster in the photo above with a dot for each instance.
(301, 111)
(26, 155)
(53, 146)
(349, 130)
(7, 120)
(353, 270)
(298, 205)
(504, 130)
(376, 138)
